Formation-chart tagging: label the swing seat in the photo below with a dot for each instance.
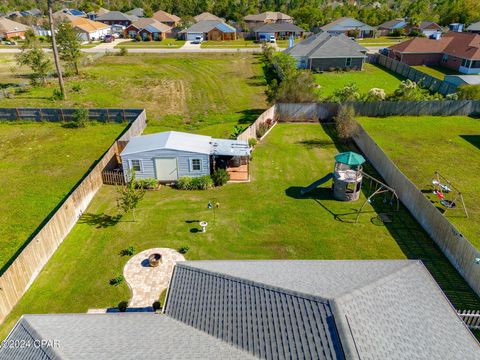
(440, 195)
(448, 204)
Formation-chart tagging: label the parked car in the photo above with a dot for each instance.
(108, 38)
(272, 39)
(198, 40)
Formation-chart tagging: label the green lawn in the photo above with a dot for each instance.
(372, 76)
(438, 72)
(284, 43)
(90, 45)
(186, 93)
(263, 219)
(382, 40)
(40, 164)
(422, 145)
(167, 43)
(232, 44)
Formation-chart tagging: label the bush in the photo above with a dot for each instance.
(80, 118)
(237, 130)
(262, 129)
(469, 92)
(129, 251)
(345, 123)
(148, 184)
(117, 280)
(122, 306)
(348, 93)
(123, 51)
(156, 306)
(252, 142)
(220, 177)
(138, 38)
(76, 88)
(376, 94)
(183, 249)
(194, 183)
(57, 95)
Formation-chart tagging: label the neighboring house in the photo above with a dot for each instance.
(278, 30)
(350, 27)
(427, 28)
(278, 309)
(325, 51)
(166, 18)
(474, 28)
(167, 156)
(210, 30)
(90, 30)
(14, 15)
(41, 31)
(92, 15)
(206, 16)
(269, 17)
(459, 80)
(456, 27)
(390, 26)
(32, 12)
(138, 12)
(10, 29)
(69, 12)
(117, 18)
(148, 28)
(454, 50)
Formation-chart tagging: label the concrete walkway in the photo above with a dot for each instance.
(147, 283)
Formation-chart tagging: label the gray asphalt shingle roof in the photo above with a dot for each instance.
(204, 26)
(115, 336)
(279, 27)
(346, 24)
(325, 45)
(474, 27)
(116, 16)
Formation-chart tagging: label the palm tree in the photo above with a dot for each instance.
(55, 50)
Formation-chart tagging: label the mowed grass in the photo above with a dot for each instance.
(185, 93)
(422, 145)
(372, 76)
(166, 43)
(40, 163)
(438, 72)
(263, 219)
(381, 40)
(235, 44)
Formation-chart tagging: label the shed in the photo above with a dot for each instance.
(167, 156)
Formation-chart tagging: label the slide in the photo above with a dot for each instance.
(316, 184)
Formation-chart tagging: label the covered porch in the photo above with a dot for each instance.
(234, 157)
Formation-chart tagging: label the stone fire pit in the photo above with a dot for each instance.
(154, 260)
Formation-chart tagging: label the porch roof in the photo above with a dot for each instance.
(223, 147)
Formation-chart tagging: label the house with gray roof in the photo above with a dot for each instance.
(325, 51)
(210, 30)
(138, 12)
(116, 18)
(276, 309)
(254, 21)
(167, 156)
(280, 30)
(350, 27)
(474, 28)
(391, 26)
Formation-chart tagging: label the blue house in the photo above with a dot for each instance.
(167, 156)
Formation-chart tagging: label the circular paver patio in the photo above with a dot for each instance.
(147, 283)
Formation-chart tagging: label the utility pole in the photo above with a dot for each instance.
(55, 50)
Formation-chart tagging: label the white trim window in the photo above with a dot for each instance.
(136, 165)
(348, 62)
(195, 164)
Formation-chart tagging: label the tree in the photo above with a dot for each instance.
(69, 46)
(298, 88)
(56, 57)
(345, 124)
(33, 56)
(130, 196)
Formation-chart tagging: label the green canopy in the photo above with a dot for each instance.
(350, 158)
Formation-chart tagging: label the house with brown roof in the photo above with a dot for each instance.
(206, 16)
(166, 18)
(254, 21)
(10, 29)
(454, 50)
(427, 28)
(90, 30)
(148, 28)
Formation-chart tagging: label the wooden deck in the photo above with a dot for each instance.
(239, 173)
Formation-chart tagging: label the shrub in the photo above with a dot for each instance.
(129, 251)
(262, 129)
(237, 130)
(469, 92)
(194, 183)
(220, 177)
(123, 51)
(57, 95)
(183, 249)
(348, 93)
(345, 123)
(76, 88)
(156, 306)
(117, 280)
(122, 306)
(376, 94)
(149, 183)
(252, 142)
(138, 38)
(453, 96)
(80, 118)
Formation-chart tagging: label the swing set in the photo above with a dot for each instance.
(447, 194)
(376, 187)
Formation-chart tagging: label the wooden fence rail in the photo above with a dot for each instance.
(471, 318)
(113, 177)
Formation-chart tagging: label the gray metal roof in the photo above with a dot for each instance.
(474, 27)
(326, 45)
(390, 309)
(279, 27)
(180, 141)
(114, 336)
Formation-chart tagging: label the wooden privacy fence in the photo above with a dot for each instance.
(65, 115)
(113, 177)
(21, 273)
(425, 80)
(251, 131)
(471, 318)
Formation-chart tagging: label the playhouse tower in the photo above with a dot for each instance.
(347, 176)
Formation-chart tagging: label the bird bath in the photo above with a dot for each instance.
(203, 224)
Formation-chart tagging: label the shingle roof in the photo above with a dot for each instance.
(268, 15)
(279, 27)
(114, 336)
(474, 27)
(7, 26)
(207, 16)
(163, 16)
(204, 26)
(346, 24)
(390, 309)
(429, 25)
(138, 12)
(392, 24)
(326, 45)
(116, 16)
(87, 25)
(151, 25)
